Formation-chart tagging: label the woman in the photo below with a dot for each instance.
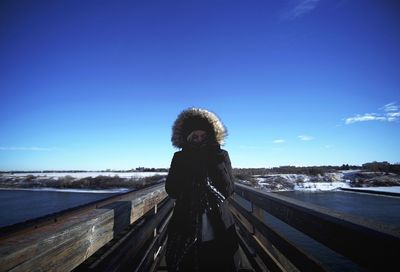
(201, 232)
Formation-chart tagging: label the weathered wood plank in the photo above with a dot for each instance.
(63, 245)
(274, 254)
(16, 251)
(249, 227)
(370, 244)
(253, 251)
(151, 257)
(295, 255)
(123, 256)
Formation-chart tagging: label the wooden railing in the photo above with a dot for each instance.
(362, 243)
(128, 233)
(125, 231)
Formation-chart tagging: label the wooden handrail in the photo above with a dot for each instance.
(370, 244)
(66, 243)
(130, 231)
(299, 258)
(136, 249)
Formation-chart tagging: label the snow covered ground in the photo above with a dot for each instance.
(80, 175)
(320, 186)
(326, 182)
(113, 191)
(285, 182)
(273, 182)
(81, 181)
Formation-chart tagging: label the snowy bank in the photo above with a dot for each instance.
(325, 182)
(79, 175)
(81, 180)
(45, 189)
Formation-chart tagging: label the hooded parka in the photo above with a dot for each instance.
(200, 180)
(197, 179)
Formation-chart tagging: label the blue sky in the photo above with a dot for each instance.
(98, 84)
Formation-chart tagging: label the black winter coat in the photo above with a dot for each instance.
(185, 183)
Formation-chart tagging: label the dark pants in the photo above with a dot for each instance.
(215, 255)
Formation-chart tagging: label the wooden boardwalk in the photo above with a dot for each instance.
(128, 233)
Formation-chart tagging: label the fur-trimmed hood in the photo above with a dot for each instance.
(187, 117)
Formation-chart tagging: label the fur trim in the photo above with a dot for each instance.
(178, 138)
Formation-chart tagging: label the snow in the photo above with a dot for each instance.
(301, 182)
(118, 190)
(28, 181)
(80, 175)
(320, 186)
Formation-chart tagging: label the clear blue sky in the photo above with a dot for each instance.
(98, 84)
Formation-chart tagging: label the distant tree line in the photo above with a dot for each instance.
(145, 169)
(99, 182)
(138, 169)
(305, 170)
(382, 167)
(248, 172)
(313, 170)
(245, 173)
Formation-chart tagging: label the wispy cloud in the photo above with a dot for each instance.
(365, 117)
(301, 8)
(23, 148)
(391, 113)
(391, 107)
(305, 138)
(279, 141)
(392, 116)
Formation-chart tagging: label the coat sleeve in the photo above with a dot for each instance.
(222, 177)
(174, 178)
(231, 183)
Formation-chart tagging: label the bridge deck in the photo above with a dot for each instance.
(242, 263)
(128, 233)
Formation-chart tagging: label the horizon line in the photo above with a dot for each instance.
(146, 168)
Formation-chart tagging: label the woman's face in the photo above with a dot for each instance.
(199, 136)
